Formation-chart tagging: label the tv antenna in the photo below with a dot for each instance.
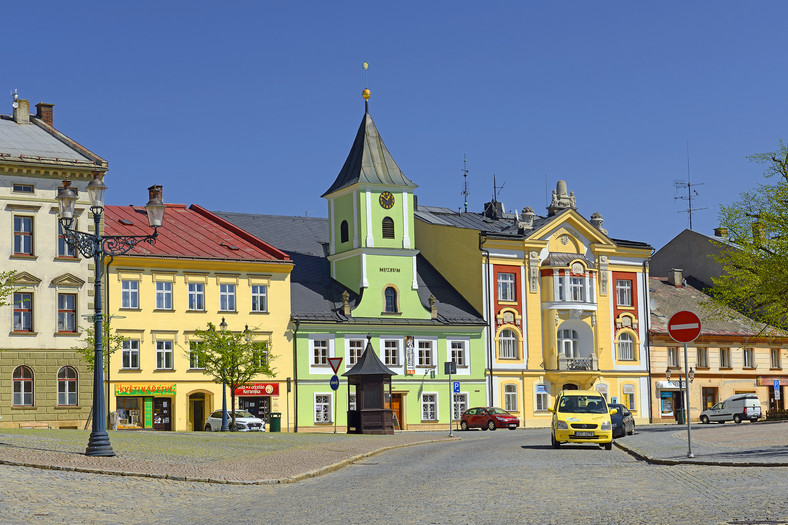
(689, 186)
(497, 189)
(465, 190)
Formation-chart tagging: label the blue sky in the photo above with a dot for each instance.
(252, 107)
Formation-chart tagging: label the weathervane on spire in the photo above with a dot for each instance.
(366, 93)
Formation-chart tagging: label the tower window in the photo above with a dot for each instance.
(343, 232)
(388, 228)
(391, 299)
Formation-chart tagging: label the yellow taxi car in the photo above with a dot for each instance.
(581, 416)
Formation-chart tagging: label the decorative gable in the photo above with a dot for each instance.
(68, 280)
(26, 279)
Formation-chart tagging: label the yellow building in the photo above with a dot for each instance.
(565, 303)
(200, 270)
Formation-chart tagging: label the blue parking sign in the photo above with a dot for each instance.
(455, 387)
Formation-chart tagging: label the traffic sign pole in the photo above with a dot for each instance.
(684, 327)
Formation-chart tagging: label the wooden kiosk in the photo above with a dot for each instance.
(369, 377)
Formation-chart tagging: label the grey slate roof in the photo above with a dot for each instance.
(667, 299)
(315, 296)
(36, 139)
(505, 226)
(369, 161)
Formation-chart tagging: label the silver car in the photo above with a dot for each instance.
(244, 422)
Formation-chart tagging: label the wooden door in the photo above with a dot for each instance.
(396, 408)
(709, 397)
(199, 415)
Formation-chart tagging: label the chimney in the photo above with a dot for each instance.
(21, 111)
(44, 112)
(721, 232)
(493, 210)
(675, 277)
(527, 220)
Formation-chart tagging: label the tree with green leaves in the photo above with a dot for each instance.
(112, 343)
(230, 358)
(6, 286)
(755, 259)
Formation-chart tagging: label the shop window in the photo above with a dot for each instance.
(602, 389)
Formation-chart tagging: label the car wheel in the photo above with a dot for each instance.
(491, 424)
(704, 420)
(631, 431)
(609, 446)
(737, 418)
(207, 428)
(553, 442)
(464, 425)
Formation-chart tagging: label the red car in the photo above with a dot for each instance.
(488, 418)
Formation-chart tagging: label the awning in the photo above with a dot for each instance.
(670, 385)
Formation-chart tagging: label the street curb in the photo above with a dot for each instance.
(291, 479)
(656, 461)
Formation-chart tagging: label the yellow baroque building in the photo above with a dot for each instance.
(565, 304)
(200, 270)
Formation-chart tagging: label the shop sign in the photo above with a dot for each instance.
(148, 412)
(410, 357)
(145, 390)
(770, 380)
(258, 389)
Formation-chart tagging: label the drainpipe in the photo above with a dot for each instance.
(647, 319)
(482, 240)
(295, 376)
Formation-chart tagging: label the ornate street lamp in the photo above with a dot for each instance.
(225, 426)
(690, 377)
(98, 246)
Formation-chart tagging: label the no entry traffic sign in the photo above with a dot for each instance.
(684, 326)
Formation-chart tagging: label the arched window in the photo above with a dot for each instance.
(391, 299)
(67, 386)
(23, 386)
(626, 347)
(510, 398)
(567, 343)
(629, 397)
(343, 232)
(507, 344)
(388, 228)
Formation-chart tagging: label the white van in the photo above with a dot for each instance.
(735, 408)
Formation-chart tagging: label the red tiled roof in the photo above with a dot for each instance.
(192, 232)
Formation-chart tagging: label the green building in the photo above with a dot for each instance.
(358, 273)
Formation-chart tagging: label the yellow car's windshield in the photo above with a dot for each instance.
(583, 405)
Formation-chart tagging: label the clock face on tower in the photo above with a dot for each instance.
(386, 200)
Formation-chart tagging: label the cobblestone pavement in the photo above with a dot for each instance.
(484, 477)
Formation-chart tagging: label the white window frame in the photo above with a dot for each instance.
(602, 389)
(385, 344)
(63, 248)
(506, 287)
(67, 318)
(27, 239)
(129, 294)
(775, 360)
(577, 289)
(350, 342)
(510, 397)
(568, 343)
(628, 397)
(194, 362)
(507, 346)
(226, 297)
(196, 301)
(624, 292)
(626, 347)
(164, 354)
(429, 406)
(457, 351)
(320, 348)
(673, 356)
(702, 357)
(748, 358)
(163, 295)
(541, 399)
(69, 397)
(322, 400)
(259, 298)
(725, 357)
(314, 366)
(425, 359)
(460, 404)
(130, 353)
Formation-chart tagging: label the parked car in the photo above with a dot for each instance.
(736, 408)
(488, 418)
(622, 420)
(244, 422)
(581, 416)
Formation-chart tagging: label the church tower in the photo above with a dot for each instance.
(371, 231)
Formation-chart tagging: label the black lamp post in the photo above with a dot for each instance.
(225, 426)
(97, 246)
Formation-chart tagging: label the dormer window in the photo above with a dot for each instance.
(343, 232)
(388, 228)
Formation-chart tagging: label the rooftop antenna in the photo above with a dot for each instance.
(680, 185)
(465, 190)
(497, 189)
(14, 96)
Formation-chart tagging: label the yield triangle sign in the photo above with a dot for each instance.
(334, 362)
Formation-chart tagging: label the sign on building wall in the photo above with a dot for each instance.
(410, 357)
(145, 390)
(258, 389)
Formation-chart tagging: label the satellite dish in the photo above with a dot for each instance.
(652, 304)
